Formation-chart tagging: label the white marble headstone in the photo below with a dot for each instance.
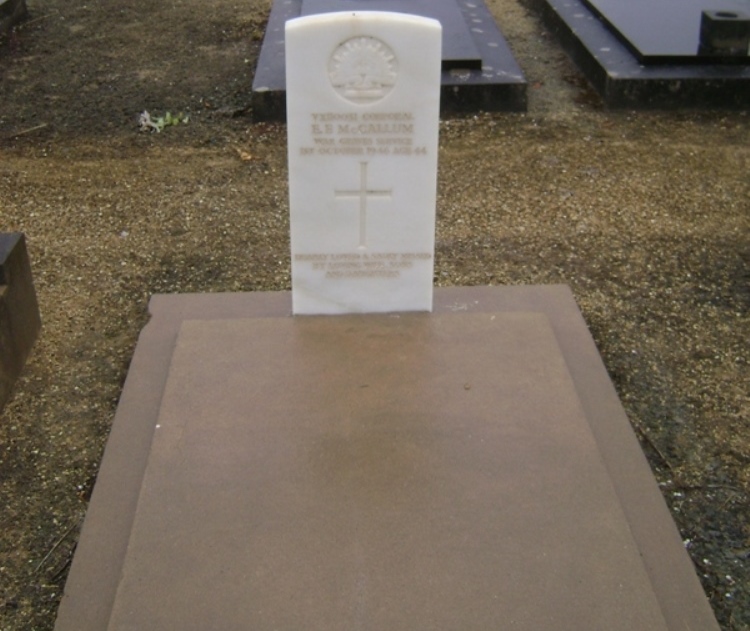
(363, 101)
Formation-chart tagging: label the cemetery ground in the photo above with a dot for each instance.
(645, 215)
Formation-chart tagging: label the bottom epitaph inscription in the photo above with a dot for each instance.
(362, 264)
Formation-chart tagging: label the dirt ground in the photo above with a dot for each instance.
(645, 215)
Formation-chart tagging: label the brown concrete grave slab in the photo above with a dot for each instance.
(470, 468)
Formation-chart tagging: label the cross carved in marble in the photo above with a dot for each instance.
(363, 193)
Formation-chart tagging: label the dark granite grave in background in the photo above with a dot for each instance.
(19, 312)
(640, 56)
(667, 32)
(459, 49)
(479, 71)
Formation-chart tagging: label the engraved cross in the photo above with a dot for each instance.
(363, 194)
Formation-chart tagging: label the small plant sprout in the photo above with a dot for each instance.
(146, 123)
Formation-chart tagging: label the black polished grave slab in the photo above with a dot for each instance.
(623, 81)
(459, 49)
(664, 31)
(479, 71)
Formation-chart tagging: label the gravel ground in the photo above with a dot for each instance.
(645, 215)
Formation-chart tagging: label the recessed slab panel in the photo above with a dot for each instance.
(412, 473)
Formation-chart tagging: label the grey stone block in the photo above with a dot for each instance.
(19, 311)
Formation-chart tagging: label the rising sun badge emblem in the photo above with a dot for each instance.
(363, 69)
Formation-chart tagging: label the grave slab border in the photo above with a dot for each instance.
(96, 568)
